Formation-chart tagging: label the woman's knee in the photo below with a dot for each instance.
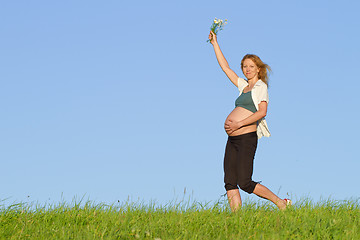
(248, 186)
(229, 186)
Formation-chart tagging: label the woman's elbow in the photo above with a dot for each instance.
(262, 114)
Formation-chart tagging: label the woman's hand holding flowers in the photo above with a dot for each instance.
(212, 38)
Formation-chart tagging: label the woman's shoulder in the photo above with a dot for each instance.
(241, 83)
(261, 85)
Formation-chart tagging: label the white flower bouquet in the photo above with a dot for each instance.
(217, 26)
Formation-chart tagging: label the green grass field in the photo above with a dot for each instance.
(304, 220)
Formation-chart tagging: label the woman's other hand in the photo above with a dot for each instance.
(230, 126)
(212, 37)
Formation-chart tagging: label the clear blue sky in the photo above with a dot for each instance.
(125, 99)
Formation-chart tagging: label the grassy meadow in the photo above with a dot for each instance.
(256, 220)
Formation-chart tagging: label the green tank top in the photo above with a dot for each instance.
(245, 101)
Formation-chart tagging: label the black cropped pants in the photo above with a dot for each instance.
(238, 162)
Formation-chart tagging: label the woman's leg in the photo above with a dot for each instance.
(264, 192)
(246, 146)
(234, 199)
(230, 175)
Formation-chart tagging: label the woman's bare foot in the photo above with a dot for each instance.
(284, 203)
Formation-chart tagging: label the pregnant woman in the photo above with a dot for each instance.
(244, 125)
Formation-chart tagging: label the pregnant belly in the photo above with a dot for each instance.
(239, 114)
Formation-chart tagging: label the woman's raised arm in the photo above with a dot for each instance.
(222, 61)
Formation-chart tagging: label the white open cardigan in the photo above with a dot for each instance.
(259, 93)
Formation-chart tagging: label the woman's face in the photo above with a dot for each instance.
(250, 69)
